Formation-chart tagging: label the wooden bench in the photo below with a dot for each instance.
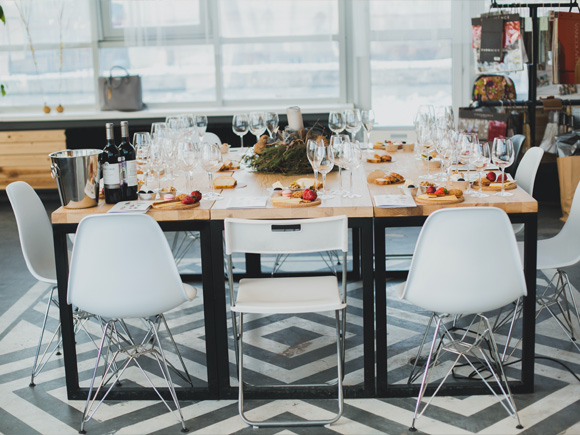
(24, 156)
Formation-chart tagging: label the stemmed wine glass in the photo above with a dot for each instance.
(426, 142)
(156, 160)
(446, 149)
(481, 159)
(313, 157)
(142, 142)
(502, 154)
(336, 122)
(158, 129)
(325, 165)
(444, 117)
(200, 126)
(240, 126)
(351, 159)
(466, 153)
(353, 121)
(368, 121)
(211, 161)
(257, 124)
(187, 157)
(337, 143)
(272, 123)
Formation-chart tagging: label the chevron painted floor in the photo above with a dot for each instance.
(283, 348)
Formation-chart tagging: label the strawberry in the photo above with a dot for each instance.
(490, 176)
(441, 191)
(309, 195)
(196, 194)
(501, 178)
(188, 200)
(430, 189)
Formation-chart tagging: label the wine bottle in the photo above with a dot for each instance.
(111, 168)
(129, 165)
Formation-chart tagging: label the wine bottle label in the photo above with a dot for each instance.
(112, 175)
(131, 173)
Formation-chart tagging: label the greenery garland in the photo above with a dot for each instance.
(285, 153)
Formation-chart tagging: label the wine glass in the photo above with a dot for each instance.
(313, 157)
(200, 126)
(426, 141)
(240, 126)
(502, 154)
(481, 159)
(446, 149)
(187, 158)
(211, 161)
(336, 122)
(155, 160)
(337, 144)
(272, 123)
(325, 165)
(158, 129)
(352, 156)
(424, 117)
(444, 117)
(353, 121)
(466, 153)
(257, 124)
(142, 142)
(368, 121)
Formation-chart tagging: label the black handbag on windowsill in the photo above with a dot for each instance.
(122, 93)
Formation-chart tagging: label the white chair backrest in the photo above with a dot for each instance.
(568, 239)
(34, 230)
(466, 261)
(122, 266)
(528, 168)
(286, 236)
(518, 140)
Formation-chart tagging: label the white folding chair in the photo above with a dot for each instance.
(36, 241)
(444, 280)
(122, 268)
(287, 295)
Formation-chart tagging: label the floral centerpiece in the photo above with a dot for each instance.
(285, 153)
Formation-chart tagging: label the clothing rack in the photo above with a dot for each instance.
(532, 100)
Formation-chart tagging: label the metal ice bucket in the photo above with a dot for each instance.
(77, 175)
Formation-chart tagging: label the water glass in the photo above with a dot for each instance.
(502, 154)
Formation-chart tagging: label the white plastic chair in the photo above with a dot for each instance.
(122, 268)
(444, 280)
(287, 295)
(558, 252)
(36, 241)
(526, 174)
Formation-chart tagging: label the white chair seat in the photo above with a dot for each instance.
(190, 291)
(552, 254)
(288, 295)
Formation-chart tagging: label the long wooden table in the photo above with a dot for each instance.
(364, 218)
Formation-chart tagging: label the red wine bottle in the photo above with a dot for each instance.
(111, 168)
(129, 165)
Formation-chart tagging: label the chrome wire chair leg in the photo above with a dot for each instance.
(515, 317)
(185, 376)
(340, 374)
(569, 311)
(413, 375)
(41, 360)
(509, 396)
(166, 375)
(425, 375)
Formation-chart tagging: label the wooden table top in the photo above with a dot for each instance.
(404, 163)
(253, 184)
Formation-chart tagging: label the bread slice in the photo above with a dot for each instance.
(224, 182)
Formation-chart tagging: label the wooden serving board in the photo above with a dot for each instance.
(510, 186)
(176, 206)
(437, 201)
(281, 204)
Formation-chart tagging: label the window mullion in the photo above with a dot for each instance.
(213, 18)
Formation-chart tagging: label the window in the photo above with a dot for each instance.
(411, 57)
(228, 53)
